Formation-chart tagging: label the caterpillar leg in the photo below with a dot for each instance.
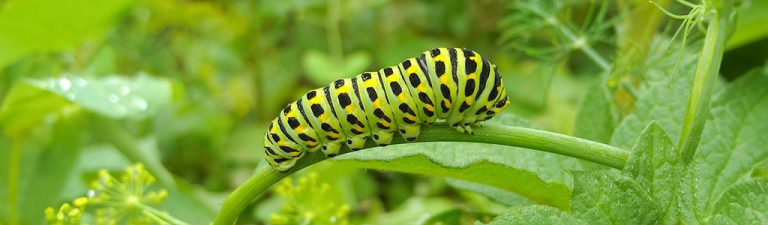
(462, 127)
(410, 132)
(382, 137)
(356, 142)
(331, 149)
(281, 164)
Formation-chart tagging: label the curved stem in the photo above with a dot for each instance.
(707, 69)
(265, 177)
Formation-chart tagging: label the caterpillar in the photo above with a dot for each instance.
(451, 84)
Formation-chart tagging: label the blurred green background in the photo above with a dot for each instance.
(187, 87)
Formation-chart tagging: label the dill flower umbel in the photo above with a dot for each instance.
(127, 200)
(308, 203)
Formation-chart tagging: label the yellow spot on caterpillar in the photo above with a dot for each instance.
(441, 57)
(401, 97)
(444, 79)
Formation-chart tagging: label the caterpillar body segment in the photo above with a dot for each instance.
(454, 85)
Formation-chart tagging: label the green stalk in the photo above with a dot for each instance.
(706, 74)
(265, 177)
(13, 181)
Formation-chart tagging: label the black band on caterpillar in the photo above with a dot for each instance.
(451, 84)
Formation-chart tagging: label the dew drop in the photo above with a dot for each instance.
(64, 84)
(140, 104)
(124, 90)
(91, 193)
(70, 96)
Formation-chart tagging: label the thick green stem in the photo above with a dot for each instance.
(707, 70)
(604, 154)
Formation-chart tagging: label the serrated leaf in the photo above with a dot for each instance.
(608, 197)
(534, 214)
(744, 203)
(733, 143)
(656, 165)
(114, 96)
(536, 175)
(663, 103)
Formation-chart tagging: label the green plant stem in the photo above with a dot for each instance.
(707, 69)
(265, 177)
(111, 132)
(13, 181)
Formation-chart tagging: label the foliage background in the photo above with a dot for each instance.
(204, 77)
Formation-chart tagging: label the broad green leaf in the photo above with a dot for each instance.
(609, 197)
(733, 143)
(663, 102)
(323, 69)
(536, 175)
(597, 118)
(114, 96)
(750, 24)
(744, 203)
(656, 165)
(29, 26)
(26, 106)
(534, 214)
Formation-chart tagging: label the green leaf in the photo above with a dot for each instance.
(114, 96)
(657, 167)
(733, 143)
(30, 26)
(608, 197)
(597, 117)
(536, 175)
(662, 102)
(750, 26)
(26, 106)
(534, 214)
(744, 203)
(322, 69)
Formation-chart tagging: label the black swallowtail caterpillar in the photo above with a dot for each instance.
(451, 84)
